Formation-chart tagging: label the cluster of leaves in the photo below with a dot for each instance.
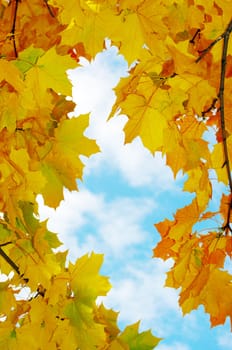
(47, 302)
(179, 87)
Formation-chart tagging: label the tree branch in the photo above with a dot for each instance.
(226, 37)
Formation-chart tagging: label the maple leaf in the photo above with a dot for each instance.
(7, 299)
(85, 270)
(43, 75)
(86, 284)
(130, 338)
(146, 122)
(198, 182)
(70, 143)
(88, 334)
(217, 159)
(135, 340)
(11, 74)
(108, 318)
(28, 58)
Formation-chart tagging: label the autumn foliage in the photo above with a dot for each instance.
(178, 87)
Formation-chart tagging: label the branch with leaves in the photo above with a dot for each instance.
(225, 37)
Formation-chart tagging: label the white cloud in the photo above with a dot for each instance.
(140, 295)
(113, 226)
(134, 162)
(93, 81)
(225, 341)
(173, 346)
(70, 215)
(92, 91)
(88, 222)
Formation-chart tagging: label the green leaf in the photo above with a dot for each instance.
(28, 58)
(4, 233)
(139, 341)
(28, 214)
(52, 239)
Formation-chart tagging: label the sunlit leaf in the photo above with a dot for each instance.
(144, 340)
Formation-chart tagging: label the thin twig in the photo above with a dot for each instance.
(208, 48)
(15, 4)
(192, 41)
(4, 244)
(211, 107)
(49, 8)
(9, 261)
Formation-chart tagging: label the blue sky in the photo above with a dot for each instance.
(126, 190)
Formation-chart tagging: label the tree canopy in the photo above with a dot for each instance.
(178, 87)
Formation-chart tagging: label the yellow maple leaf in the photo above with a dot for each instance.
(86, 284)
(70, 138)
(108, 318)
(11, 74)
(218, 163)
(62, 165)
(88, 334)
(7, 298)
(42, 76)
(53, 190)
(85, 280)
(144, 121)
(198, 182)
